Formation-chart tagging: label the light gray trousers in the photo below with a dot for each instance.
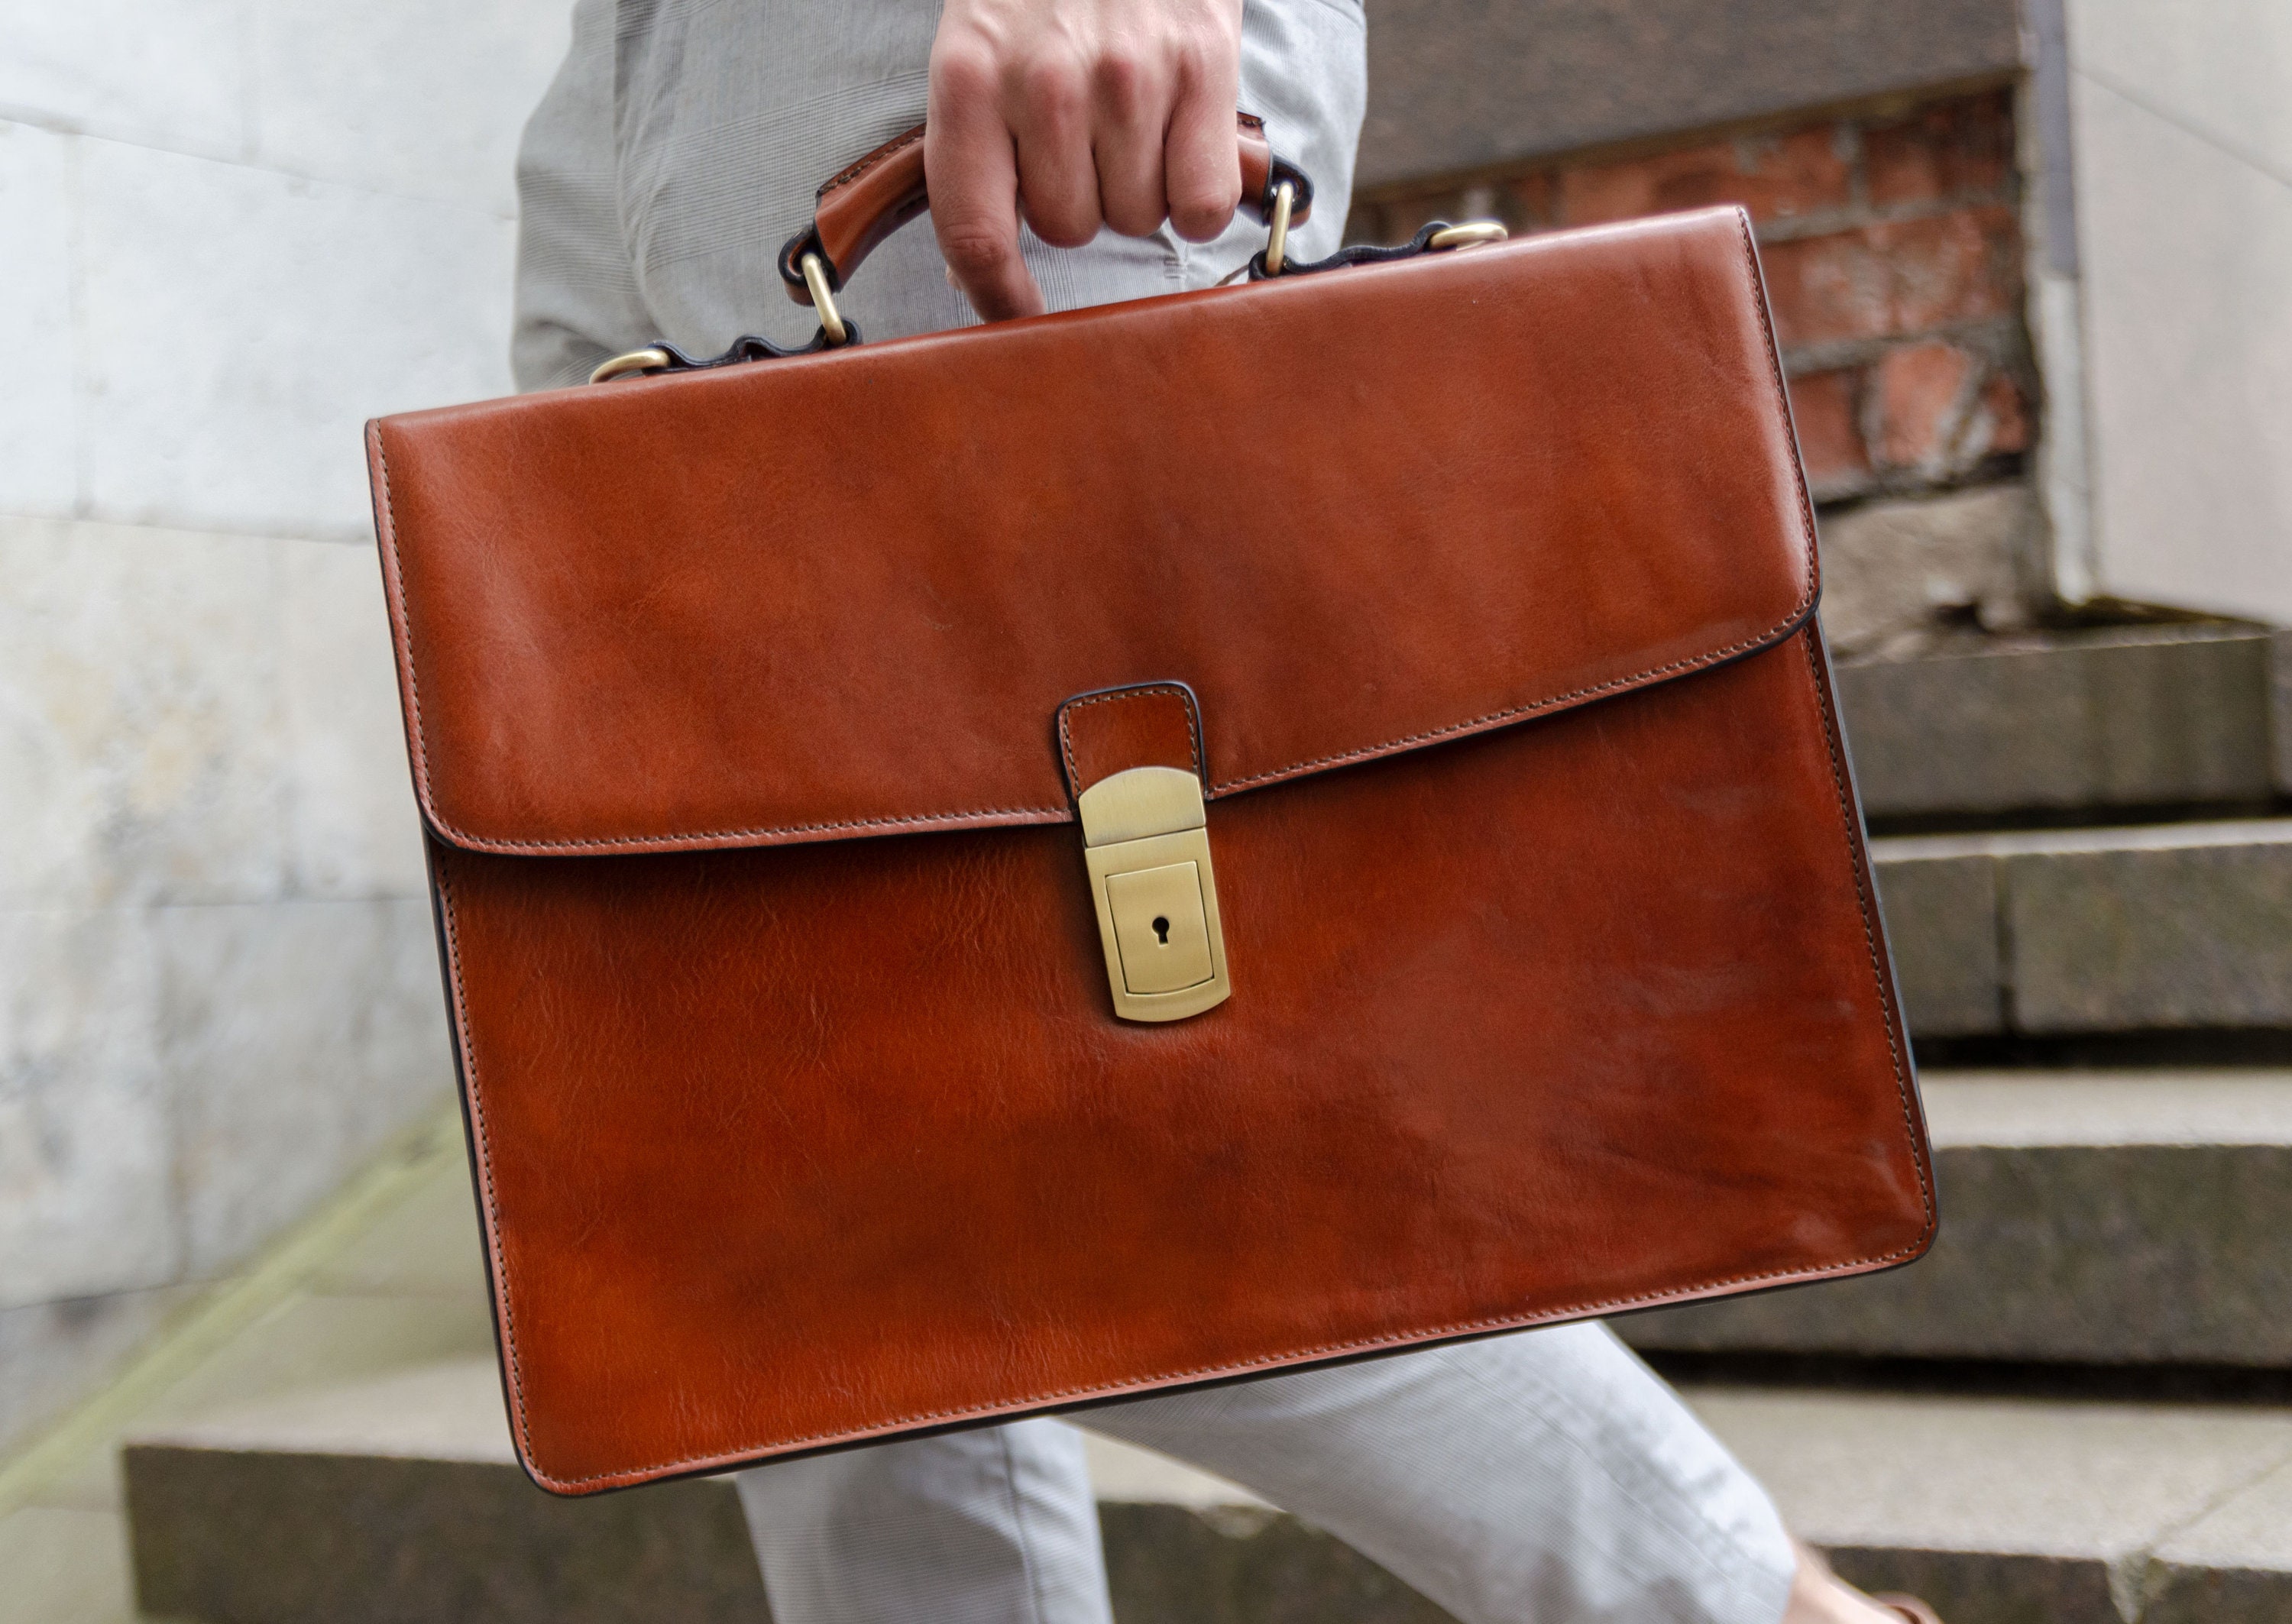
(1546, 1476)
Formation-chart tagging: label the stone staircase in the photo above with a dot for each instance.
(2078, 1407)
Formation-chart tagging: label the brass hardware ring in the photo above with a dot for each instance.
(823, 298)
(1472, 234)
(1276, 235)
(635, 360)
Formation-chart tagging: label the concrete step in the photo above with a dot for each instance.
(2071, 931)
(2087, 1217)
(2073, 722)
(2026, 1510)
(399, 1500)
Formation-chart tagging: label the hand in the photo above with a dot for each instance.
(1080, 113)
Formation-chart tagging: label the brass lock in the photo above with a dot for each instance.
(1146, 841)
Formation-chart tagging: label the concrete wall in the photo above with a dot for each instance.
(229, 231)
(2181, 144)
(1460, 86)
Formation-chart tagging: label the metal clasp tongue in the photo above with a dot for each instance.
(1146, 841)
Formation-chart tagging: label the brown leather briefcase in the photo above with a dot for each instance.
(1148, 845)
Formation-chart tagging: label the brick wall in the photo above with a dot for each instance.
(1893, 247)
(1892, 250)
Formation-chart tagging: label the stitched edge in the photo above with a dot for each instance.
(1478, 723)
(1855, 854)
(916, 823)
(420, 742)
(1878, 977)
(860, 167)
(465, 1040)
(401, 621)
(759, 1453)
(1782, 405)
(1075, 784)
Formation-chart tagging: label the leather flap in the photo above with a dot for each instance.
(846, 594)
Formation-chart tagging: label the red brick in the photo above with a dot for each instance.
(1918, 390)
(1823, 404)
(2001, 423)
(1956, 149)
(1895, 279)
(1774, 177)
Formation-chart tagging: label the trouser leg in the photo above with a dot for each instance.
(992, 1526)
(1547, 1475)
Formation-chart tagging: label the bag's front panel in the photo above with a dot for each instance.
(784, 1147)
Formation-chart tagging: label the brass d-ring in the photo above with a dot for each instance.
(1472, 234)
(635, 360)
(823, 298)
(1276, 235)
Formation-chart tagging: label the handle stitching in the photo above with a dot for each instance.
(859, 167)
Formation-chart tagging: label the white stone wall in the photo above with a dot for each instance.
(2182, 136)
(231, 230)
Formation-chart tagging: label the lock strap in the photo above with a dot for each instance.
(1112, 730)
(1134, 763)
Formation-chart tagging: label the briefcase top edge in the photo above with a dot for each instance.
(841, 596)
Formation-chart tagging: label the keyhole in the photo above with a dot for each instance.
(1162, 929)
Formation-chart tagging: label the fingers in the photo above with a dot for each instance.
(1202, 161)
(1048, 106)
(1130, 104)
(1076, 114)
(975, 190)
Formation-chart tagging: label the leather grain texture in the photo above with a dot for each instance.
(746, 709)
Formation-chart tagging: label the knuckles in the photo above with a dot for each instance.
(964, 68)
(1073, 96)
(1128, 85)
(1062, 225)
(1198, 216)
(1050, 92)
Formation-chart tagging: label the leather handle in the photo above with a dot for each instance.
(875, 197)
